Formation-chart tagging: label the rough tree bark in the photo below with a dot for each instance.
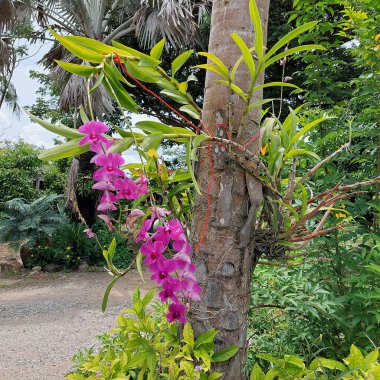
(225, 260)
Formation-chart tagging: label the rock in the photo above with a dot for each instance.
(9, 258)
(53, 267)
(83, 266)
(35, 270)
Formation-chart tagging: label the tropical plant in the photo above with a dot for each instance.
(254, 205)
(24, 224)
(355, 367)
(146, 345)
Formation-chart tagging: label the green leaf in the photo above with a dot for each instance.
(176, 96)
(327, 363)
(214, 376)
(139, 259)
(259, 103)
(218, 63)
(68, 149)
(180, 175)
(196, 142)
(356, 358)
(307, 128)
(78, 50)
(144, 74)
(99, 80)
(83, 115)
(259, 39)
(153, 127)
(234, 88)
(274, 84)
(158, 49)
(73, 68)
(256, 373)
(121, 145)
(145, 60)
(248, 59)
(297, 152)
(188, 334)
(61, 130)
(148, 297)
(291, 51)
(107, 293)
(207, 337)
(225, 354)
(289, 37)
(213, 68)
(190, 110)
(111, 251)
(190, 166)
(152, 141)
(180, 61)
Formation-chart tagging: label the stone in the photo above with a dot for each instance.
(53, 267)
(83, 266)
(9, 258)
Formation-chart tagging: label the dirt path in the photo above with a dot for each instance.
(45, 319)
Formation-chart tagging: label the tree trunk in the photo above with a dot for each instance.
(225, 260)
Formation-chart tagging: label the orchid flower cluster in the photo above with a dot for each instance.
(158, 233)
(110, 178)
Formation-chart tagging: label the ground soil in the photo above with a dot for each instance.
(47, 317)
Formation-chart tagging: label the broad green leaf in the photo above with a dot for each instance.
(153, 127)
(217, 62)
(207, 337)
(115, 74)
(180, 175)
(183, 131)
(152, 141)
(67, 149)
(190, 166)
(327, 363)
(111, 251)
(259, 39)
(225, 354)
(291, 51)
(356, 358)
(188, 334)
(180, 61)
(248, 59)
(214, 376)
(123, 133)
(307, 128)
(190, 110)
(145, 74)
(256, 373)
(289, 37)
(60, 130)
(107, 293)
(73, 68)
(290, 208)
(157, 49)
(148, 297)
(139, 259)
(298, 152)
(176, 96)
(78, 50)
(274, 84)
(268, 357)
(122, 145)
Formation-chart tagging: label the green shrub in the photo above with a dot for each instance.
(355, 367)
(146, 346)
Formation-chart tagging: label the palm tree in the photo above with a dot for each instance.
(144, 22)
(24, 224)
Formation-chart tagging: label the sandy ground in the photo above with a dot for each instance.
(46, 318)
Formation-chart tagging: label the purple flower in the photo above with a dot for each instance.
(110, 163)
(158, 212)
(127, 189)
(152, 251)
(100, 149)
(181, 244)
(107, 202)
(176, 313)
(142, 184)
(191, 289)
(93, 131)
(146, 226)
(89, 233)
(132, 217)
(170, 231)
(169, 287)
(161, 269)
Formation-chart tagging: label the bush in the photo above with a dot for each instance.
(146, 346)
